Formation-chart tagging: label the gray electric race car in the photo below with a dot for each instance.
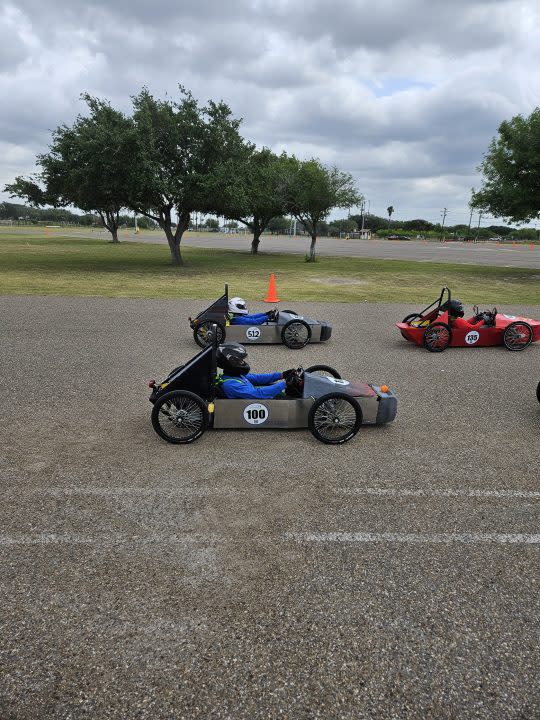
(291, 329)
(189, 401)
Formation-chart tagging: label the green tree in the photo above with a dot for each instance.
(311, 191)
(186, 156)
(212, 224)
(279, 225)
(390, 211)
(257, 195)
(88, 165)
(511, 171)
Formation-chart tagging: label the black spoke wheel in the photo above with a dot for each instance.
(180, 416)
(518, 335)
(437, 337)
(203, 333)
(335, 418)
(325, 370)
(296, 334)
(409, 318)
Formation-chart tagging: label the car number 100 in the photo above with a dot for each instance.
(255, 414)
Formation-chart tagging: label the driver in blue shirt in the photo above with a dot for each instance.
(238, 382)
(238, 314)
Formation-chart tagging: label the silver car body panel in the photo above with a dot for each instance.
(377, 407)
(270, 332)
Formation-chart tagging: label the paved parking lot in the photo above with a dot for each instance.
(263, 574)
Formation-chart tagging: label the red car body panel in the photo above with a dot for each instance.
(475, 336)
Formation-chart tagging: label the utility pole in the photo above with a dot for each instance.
(478, 226)
(469, 228)
(444, 212)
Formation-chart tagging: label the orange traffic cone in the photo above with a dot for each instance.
(271, 295)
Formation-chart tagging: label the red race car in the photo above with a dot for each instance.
(442, 325)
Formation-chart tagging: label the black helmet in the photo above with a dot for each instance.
(231, 358)
(455, 308)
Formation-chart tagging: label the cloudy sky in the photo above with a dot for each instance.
(405, 94)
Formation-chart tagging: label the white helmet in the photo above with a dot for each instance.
(237, 305)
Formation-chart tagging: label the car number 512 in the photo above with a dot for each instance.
(253, 333)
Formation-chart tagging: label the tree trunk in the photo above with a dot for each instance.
(176, 239)
(110, 221)
(256, 238)
(312, 248)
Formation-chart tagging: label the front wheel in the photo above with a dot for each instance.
(296, 334)
(180, 416)
(203, 333)
(517, 336)
(324, 370)
(437, 337)
(335, 418)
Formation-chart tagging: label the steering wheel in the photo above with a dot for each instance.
(295, 384)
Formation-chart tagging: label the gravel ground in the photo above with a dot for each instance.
(263, 574)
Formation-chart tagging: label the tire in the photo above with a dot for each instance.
(517, 336)
(296, 334)
(322, 418)
(538, 392)
(201, 331)
(190, 426)
(437, 337)
(410, 317)
(324, 370)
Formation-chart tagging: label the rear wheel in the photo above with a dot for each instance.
(437, 337)
(517, 336)
(296, 334)
(335, 418)
(180, 416)
(325, 370)
(203, 333)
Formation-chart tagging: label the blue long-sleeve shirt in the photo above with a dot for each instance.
(249, 386)
(257, 319)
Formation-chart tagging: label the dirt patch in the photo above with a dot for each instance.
(339, 281)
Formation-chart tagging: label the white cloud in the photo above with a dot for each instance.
(406, 96)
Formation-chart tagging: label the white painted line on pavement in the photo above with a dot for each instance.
(443, 492)
(414, 538)
(108, 539)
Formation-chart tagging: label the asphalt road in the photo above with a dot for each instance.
(262, 574)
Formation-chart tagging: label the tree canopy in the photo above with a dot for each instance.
(184, 158)
(88, 165)
(258, 195)
(311, 191)
(511, 171)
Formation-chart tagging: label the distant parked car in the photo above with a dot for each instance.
(398, 237)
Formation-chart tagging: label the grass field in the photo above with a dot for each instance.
(31, 264)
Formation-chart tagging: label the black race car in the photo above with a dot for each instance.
(289, 328)
(189, 401)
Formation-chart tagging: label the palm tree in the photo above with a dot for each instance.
(389, 210)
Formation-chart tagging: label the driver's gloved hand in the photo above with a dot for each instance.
(272, 315)
(294, 386)
(287, 374)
